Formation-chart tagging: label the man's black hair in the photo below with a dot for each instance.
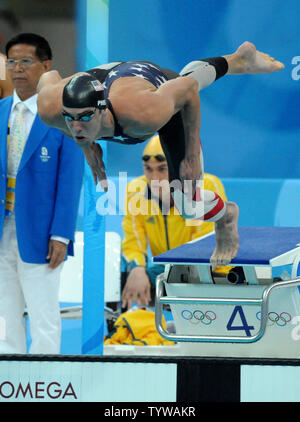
(42, 47)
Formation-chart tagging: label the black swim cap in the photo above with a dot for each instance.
(84, 91)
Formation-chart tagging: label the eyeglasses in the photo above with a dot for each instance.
(24, 62)
(85, 117)
(158, 157)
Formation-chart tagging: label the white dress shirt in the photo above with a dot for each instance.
(30, 112)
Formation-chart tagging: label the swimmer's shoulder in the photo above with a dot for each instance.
(49, 101)
(50, 89)
(135, 106)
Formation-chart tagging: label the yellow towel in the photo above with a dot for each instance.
(137, 328)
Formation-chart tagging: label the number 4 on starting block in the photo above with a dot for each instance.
(239, 310)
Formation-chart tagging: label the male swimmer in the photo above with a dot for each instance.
(128, 102)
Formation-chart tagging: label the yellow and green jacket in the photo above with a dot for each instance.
(137, 327)
(144, 224)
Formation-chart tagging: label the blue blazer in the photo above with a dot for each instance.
(48, 185)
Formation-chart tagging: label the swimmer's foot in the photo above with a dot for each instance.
(247, 59)
(227, 237)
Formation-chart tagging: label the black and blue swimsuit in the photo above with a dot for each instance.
(139, 69)
(172, 135)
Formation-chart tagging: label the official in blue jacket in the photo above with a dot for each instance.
(40, 182)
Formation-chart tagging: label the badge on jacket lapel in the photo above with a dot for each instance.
(44, 155)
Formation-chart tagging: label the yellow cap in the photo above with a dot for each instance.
(153, 148)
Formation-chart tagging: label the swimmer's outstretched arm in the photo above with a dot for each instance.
(182, 93)
(150, 110)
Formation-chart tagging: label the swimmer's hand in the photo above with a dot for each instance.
(190, 173)
(93, 154)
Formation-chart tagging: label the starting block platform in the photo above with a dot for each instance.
(247, 314)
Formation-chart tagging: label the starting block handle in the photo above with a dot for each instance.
(263, 302)
(295, 266)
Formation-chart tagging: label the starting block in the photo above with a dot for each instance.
(245, 313)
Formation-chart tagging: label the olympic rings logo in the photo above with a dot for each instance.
(273, 318)
(198, 316)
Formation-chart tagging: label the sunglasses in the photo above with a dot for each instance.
(158, 157)
(86, 117)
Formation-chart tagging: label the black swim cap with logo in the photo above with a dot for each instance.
(84, 91)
